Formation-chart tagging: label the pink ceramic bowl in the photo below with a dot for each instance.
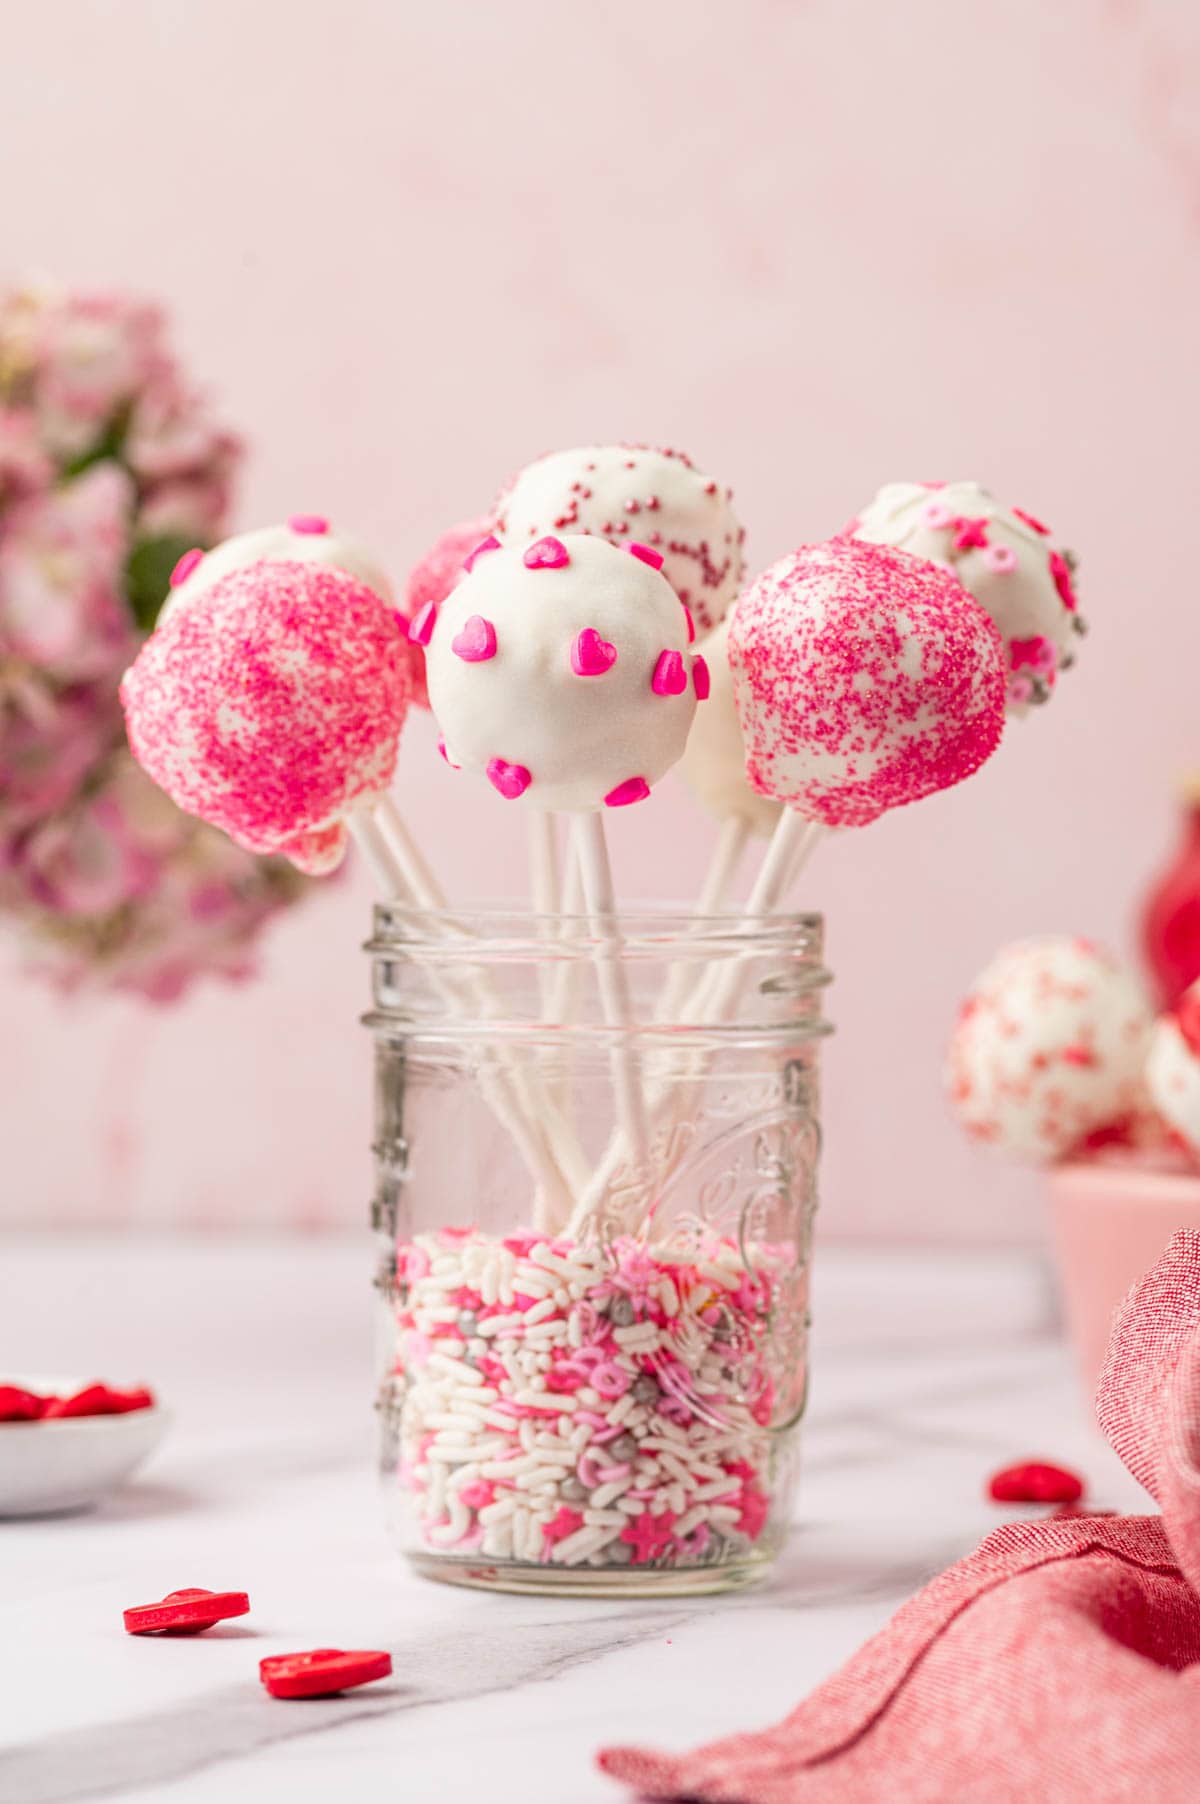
(1112, 1219)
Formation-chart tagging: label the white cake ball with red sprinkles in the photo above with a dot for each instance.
(1049, 1048)
(714, 761)
(1005, 556)
(635, 493)
(864, 679)
(272, 705)
(562, 671)
(303, 539)
(1173, 1069)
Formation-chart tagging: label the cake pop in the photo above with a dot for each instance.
(305, 539)
(1048, 1049)
(272, 705)
(1005, 557)
(864, 679)
(1173, 1069)
(430, 581)
(562, 671)
(627, 493)
(714, 760)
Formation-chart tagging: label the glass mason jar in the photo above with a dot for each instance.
(595, 1243)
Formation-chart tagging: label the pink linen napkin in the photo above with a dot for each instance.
(1058, 1661)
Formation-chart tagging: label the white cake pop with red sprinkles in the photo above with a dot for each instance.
(1173, 1069)
(635, 493)
(562, 671)
(1049, 1048)
(1009, 561)
(272, 705)
(303, 539)
(714, 761)
(864, 679)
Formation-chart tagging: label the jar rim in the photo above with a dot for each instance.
(656, 929)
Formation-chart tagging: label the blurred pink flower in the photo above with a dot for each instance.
(25, 468)
(62, 564)
(48, 743)
(172, 436)
(86, 357)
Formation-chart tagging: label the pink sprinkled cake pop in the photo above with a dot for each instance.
(864, 679)
(430, 581)
(634, 493)
(714, 761)
(1048, 1049)
(563, 672)
(304, 539)
(1007, 559)
(272, 706)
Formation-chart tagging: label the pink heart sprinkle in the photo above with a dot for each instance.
(644, 552)
(476, 642)
(691, 624)
(547, 554)
(670, 678)
(701, 678)
(633, 789)
(591, 655)
(185, 566)
(309, 523)
(511, 780)
(491, 543)
(421, 629)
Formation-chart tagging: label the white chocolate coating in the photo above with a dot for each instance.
(277, 544)
(634, 492)
(1049, 1048)
(521, 714)
(1173, 1071)
(714, 761)
(1020, 575)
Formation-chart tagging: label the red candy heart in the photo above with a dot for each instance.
(17, 1405)
(510, 780)
(185, 1612)
(1035, 1481)
(547, 554)
(591, 655)
(322, 1672)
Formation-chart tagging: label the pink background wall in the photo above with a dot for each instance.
(821, 246)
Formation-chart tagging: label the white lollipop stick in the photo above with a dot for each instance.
(727, 855)
(613, 979)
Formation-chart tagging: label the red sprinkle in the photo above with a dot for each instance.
(187, 1612)
(98, 1400)
(321, 1672)
(1035, 1481)
(17, 1405)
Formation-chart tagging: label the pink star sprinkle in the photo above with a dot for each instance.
(546, 554)
(420, 630)
(567, 1522)
(491, 543)
(646, 554)
(670, 678)
(970, 534)
(1037, 653)
(634, 789)
(314, 524)
(186, 565)
(701, 678)
(648, 1535)
(475, 643)
(591, 655)
(1062, 580)
(510, 780)
(1000, 558)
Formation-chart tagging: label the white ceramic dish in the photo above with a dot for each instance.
(70, 1461)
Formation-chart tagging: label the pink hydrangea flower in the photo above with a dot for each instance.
(62, 559)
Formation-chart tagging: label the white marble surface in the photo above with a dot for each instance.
(929, 1372)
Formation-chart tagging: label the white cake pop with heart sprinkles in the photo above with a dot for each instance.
(1008, 560)
(1049, 1048)
(1173, 1069)
(562, 671)
(714, 762)
(303, 539)
(634, 493)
